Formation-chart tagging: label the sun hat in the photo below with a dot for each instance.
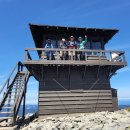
(63, 39)
(71, 36)
(79, 37)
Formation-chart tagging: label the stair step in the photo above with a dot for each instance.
(4, 125)
(17, 85)
(22, 72)
(13, 91)
(18, 80)
(10, 99)
(5, 118)
(15, 88)
(7, 107)
(19, 76)
(1, 112)
(8, 103)
(13, 95)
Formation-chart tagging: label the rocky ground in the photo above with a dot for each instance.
(119, 120)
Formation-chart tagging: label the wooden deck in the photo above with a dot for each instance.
(91, 57)
(88, 62)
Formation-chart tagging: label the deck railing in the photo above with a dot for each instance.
(74, 55)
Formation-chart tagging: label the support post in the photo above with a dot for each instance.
(69, 79)
(124, 60)
(24, 101)
(26, 54)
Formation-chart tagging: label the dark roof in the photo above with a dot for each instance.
(38, 30)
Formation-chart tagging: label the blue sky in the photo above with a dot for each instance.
(15, 36)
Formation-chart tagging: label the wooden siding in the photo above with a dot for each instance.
(60, 78)
(65, 102)
(115, 103)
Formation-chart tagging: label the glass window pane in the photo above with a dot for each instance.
(96, 45)
(87, 45)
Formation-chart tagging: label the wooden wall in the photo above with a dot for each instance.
(66, 102)
(74, 89)
(59, 78)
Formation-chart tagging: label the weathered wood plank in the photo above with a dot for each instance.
(96, 58)
(76, 91)
(88, 62)
(74, 106)
(73, 98)
(74, 95)
(60, 102)
(51, 103)
(67, 111)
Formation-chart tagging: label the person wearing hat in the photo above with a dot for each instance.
(48, 53)
(81, 45)
(72, 45)
(82, 42)
(63, 45)
(72, 42)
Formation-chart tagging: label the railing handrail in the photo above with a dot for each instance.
(83, 50)
(15, 108)
(17, 65)
(75, 55)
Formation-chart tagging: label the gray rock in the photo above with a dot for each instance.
(119, 120)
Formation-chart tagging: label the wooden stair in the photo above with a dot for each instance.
(12, 96)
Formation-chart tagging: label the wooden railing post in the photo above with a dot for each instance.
(111, 56)
(99, 54)
(124, 59)
(24, 99)
(26, 54)
(14, 115)
(85, 56)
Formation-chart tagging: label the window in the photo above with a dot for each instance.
(53, 42)
(96, 45)
(87, 45)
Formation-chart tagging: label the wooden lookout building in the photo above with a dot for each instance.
(69, 85)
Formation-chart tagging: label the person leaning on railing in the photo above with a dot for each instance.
(81, 45)
(49, 53)
(63, 45)
(72, 44)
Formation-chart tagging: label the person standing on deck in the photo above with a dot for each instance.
(81, 45)
(81, 42)
(48, 53)
(62, 45)
(72, 45)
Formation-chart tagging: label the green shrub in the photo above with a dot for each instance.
(129, 109)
